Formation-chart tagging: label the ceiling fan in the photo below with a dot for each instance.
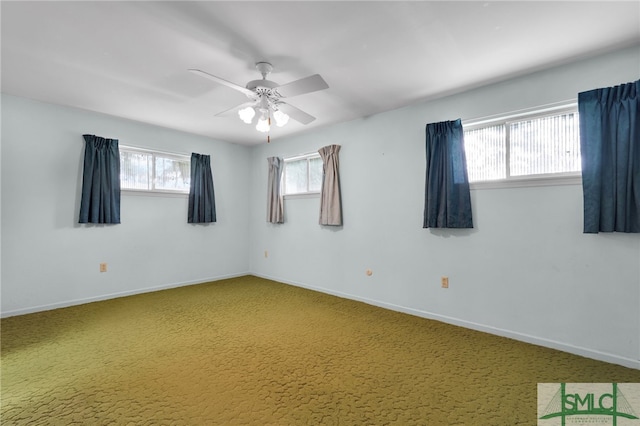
(266, 97)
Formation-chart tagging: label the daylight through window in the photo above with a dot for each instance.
(532, 145)
(142, 170)
(302, 174)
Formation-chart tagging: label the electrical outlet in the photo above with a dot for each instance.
(266, 254)
(103, 267)
(444, 281)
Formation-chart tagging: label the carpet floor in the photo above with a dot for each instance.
(249, 351)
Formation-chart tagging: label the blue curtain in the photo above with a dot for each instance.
(610, 148)
(447, 198)
(100, 202)
(202, 202)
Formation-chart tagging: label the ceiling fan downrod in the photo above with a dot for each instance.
(264, 68)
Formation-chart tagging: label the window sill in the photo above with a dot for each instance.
(529, 181)
(169, 194)
(303, 195)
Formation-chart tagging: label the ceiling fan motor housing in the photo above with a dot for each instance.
(268, 84)
(264, 89)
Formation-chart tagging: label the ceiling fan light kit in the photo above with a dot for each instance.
(247, 114)
(281, 118)
(263, 124)
(265, 98)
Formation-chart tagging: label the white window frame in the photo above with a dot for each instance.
(550, 179)
(308, 193)
(161, 154)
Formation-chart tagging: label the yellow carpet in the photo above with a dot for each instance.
(249, 351)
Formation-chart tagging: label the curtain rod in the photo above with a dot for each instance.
(154, 150)
(295, 157)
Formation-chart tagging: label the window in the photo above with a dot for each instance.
(302, 174)
(534, 145)
(144, 170)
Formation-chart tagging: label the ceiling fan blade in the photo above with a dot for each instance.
(304, 85)
(222, 81)
(295, 113)
(231, 111)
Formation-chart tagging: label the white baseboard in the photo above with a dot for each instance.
(67, 303)
(576, 350)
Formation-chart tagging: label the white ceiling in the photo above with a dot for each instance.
(130, 59)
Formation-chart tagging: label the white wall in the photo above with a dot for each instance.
(49, 260)
(525, 271)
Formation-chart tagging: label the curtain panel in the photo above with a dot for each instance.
(202, 202)
(447, 197)
(275, 204)
(610, 149)
(330, 199)
(100, 198)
